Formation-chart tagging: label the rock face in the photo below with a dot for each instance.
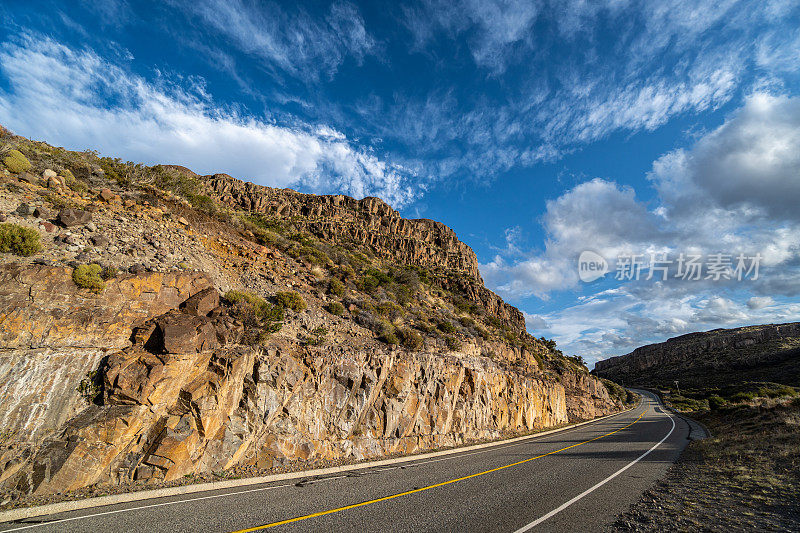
(181, 395)
(52, 333)
(756, 353)
(158, 376)
(370, 223)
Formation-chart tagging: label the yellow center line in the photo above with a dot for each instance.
(413, 491)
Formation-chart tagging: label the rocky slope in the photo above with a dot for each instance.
(755, 353)
(229, 326)
(373, 224)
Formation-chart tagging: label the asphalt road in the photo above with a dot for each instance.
(574, 480)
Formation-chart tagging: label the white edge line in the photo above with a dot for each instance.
(88, 503)
(598, 485)
(115, 511)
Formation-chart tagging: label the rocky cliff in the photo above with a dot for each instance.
(160, 324)
(757, 353)
(370, 224)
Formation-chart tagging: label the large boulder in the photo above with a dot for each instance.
(182, 333)
(201, 303)
(74, 217)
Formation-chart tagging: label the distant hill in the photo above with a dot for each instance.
(753, 353)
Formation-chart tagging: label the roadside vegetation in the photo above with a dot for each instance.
(746, 477)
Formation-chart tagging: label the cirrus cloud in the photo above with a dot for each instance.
(76, 98)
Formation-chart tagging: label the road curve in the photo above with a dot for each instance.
(574, 480)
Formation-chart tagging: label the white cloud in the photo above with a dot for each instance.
(733, 191)
(760, 302)
(597, 215)
(618, 321)
(719, 310)
(78, 99)
(561, 91)
(535, 322)
(298, 44)
(494, 26)
(752, 160)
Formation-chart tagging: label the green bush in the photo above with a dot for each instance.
(467, 322)
(402, 294)
(309, 254)
(19, 240)
(16, 162)
(776, 391)
(452, 343)
(77, 185)
(318, 336)
(336, 287)
(409, 339)
(715, 403)
(89, 277)
(382, 277)
(425, 327)
(202, 202)
(260, 308)
(372, 279)
(446, 326)
(389, 336)
(335, 308)
(290, 300)
(260, 319)
(303, 239)
(389, 310)
(494, 322)
(741, 397)
(90, 387)
(368, 284)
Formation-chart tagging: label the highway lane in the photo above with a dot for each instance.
(577, 479)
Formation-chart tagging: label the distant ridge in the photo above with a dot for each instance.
(769, 352)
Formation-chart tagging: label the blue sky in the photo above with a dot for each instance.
(537, 130)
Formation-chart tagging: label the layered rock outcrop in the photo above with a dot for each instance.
(181, 395)
(758, 353)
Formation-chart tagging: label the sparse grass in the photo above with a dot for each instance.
(699, 399)
(389, 310)
(19, 240)
(744, 478)
(318, 336)
(446, 326)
